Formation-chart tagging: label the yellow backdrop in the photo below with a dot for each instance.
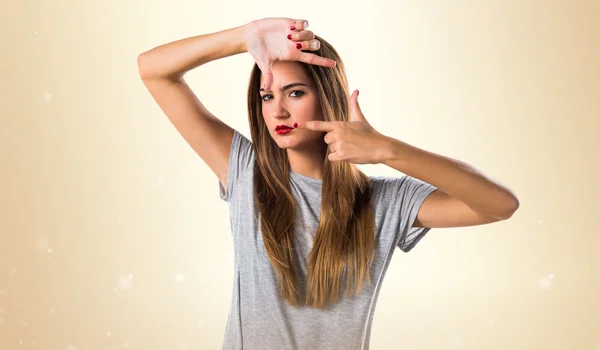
(112, 235)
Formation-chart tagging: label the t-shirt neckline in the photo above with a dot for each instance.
(305, 178)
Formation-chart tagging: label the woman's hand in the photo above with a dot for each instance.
(269, 40)
(355, 140)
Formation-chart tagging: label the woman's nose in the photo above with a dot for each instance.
(280, 110)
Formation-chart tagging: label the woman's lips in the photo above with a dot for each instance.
(283, 130)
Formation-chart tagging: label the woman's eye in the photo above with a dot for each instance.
(297, 92)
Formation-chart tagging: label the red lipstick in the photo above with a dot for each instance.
(283, 129)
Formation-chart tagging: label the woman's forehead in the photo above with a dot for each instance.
(287, 71)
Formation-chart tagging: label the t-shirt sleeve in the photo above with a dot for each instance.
(240, 164)
(402, 198)
(413, 193)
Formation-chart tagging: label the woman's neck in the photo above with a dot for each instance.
(308, 163)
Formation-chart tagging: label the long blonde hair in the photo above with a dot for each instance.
(344, 243)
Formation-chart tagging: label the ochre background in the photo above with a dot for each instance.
(112, 235)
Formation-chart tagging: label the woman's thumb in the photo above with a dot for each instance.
(265, 68)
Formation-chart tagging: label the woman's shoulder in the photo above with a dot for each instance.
(383, 180)
(384, 186)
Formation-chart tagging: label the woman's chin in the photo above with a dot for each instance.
(285, 141)
(285, 144)
(295, 142)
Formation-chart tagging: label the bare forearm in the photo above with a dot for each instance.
(174, 59)
(458, 179)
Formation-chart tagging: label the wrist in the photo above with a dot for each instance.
(392, 150)
(244, 35)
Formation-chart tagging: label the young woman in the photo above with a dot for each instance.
(313, 235)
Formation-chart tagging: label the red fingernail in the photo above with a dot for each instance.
(299, 45)
(289, 36)
(295, 125)
(293, 27)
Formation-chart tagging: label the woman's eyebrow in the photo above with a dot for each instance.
(288, 86)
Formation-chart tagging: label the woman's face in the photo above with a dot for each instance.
(292, 99)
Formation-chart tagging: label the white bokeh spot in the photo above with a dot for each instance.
(47, 96)
(42, 244)
(125, 283)
(179, 277)
(546, 282)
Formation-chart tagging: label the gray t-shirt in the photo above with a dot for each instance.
(258, 318)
